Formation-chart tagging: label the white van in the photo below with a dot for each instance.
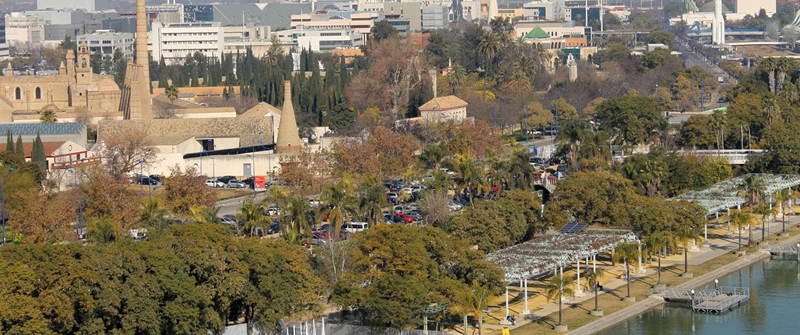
(354, 227)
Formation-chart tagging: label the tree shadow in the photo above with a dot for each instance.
(578, 306)
(546, 320)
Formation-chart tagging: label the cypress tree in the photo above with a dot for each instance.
(37, 153)
(195, 80)
(20, 151)
(9, 142)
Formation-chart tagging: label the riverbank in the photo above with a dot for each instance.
(712, 260)
(695, 283)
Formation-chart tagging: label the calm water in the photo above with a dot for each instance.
(773, 307)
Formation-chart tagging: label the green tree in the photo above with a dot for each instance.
(38, 155)
(96, 61)
(556, 289)
(741, 219)
(456, 77)
(382, 30)
(661, 37)
(20, 150)
(172, 93)
(633, 118)
(298, 219)
(781, 197)
(656, 58)
(491, 225)
(48, 116)
(659, 241)
(489, 47)
(593, 282)
(629, 254)
(766, 211)
(9, 141)
(684, 234)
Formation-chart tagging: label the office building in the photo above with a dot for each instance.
(84, 5)
(172, 42)
(106, 41)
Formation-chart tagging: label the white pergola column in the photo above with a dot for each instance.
(526, 311)
(641, 268)
(578, 291)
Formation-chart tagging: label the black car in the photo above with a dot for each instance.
(250, 182)
(275, 228)
(226, 179)
(147, 181)
(159, 179)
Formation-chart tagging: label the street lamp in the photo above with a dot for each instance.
(798, 251)
(716, 285)
(3, 201)
(79, 227)
(252, 173)
(141, 177)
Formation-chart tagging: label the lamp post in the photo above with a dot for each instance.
(716, 285)
(798, 249)
(79, 226)
(141, 177)
(253, 158)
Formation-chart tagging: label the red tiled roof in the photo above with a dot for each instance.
(49, 148)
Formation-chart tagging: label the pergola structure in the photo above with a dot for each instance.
(725, 195)
(549, 253)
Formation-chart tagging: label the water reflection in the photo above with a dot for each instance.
(774, 296)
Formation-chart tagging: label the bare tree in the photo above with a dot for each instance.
(123, 150)
(434, 207)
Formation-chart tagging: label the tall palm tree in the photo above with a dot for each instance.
(782, 66)
(477, 301)
(657, 242)
(570, 135)
(741, 219)
(370, 202)
(338, 200)
(683, 235)
(766, 211)
(771, 111)
(152, 215)
(769, 65)
(519, 167)
(782, 197)
(489, 46)
(202, 214)
(496, 173)
(751, 188)
(470, 175)
(593, 282)
(557, 287)
(456, 77)
(103, 231)
(717, 122)
(629, 254)
(297, 220)
(252, 215)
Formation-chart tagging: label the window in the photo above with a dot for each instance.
(38, 93)
(18, 93)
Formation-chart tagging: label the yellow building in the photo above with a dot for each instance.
(74, 88)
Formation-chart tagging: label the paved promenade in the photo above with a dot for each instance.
(717, 246)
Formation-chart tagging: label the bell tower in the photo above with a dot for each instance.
(83, 73)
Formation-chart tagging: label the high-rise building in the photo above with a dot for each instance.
(172, 42)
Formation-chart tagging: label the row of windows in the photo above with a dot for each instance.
(18, 93)
(189, 34)
(189, 42)
(186, 51)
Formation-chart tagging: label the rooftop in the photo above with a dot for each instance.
(57, 128)
(725, 195)
(443, 103)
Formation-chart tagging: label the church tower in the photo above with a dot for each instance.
(83, 74)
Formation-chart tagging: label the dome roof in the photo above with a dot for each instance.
(106, 84)
(708, 7)
(50, 107)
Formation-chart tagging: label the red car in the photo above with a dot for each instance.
(404, 217)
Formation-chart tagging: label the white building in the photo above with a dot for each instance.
(172, 42)
(320, 39)
(545, 10)
(752, 7)
(443, 109)
(24, 29)
(85, 5)
(360, 22)
(435, 17)
(167, 13)
(106, 41)
(256, 38)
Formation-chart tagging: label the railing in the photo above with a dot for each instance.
(72, 164)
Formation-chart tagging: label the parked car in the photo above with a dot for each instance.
(313, 202)
(318, 238)
(274, 228)
(233, 183)
(226, 179)
(228, 219)
(159, 179)
(454, 206)
(146, 181)
(250, 182)
(414, 215)
(391, 197)
(273, 210)
(402, 216)
(214, 183)
(320, 229)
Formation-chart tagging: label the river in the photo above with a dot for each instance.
(772, 309)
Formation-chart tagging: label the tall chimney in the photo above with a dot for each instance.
(142, 56)
(288, 137)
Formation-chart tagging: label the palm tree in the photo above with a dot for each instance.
(570, 135)
(103, 231)
(252, 215)
(628, 253)
(152, 215)
(717, 122)
(488, 46)
(557, 287)
(477, 301)
(469, 175)
(766, 211)
(683, 235)
(337, 198)
(740, 219)
(782, 65)
(171, 92)
(370, 201)
(593, 281)
(202, 214)
(519, 167)
(771, 110)
(496, 173)
(48, 116)
(297, 220)
(456, 77)
(657, 242)
(782, 197)
(769, 65)
(751, 188)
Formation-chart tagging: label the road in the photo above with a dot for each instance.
(692, 58)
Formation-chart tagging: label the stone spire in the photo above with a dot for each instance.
(10, 70)
(62, 69)
(288, 137)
